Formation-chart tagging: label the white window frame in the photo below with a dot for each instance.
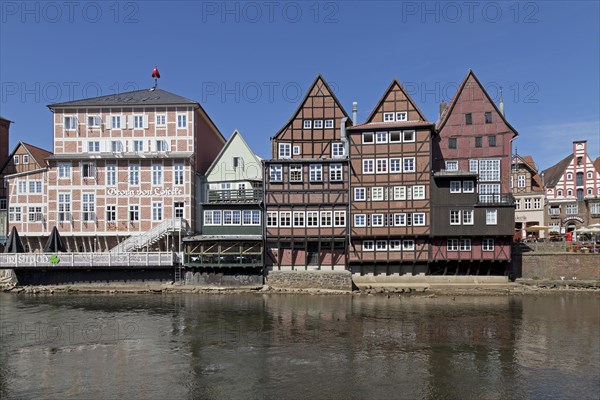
(468, 217)
(178, 174)
(272, 219)
(395, 245)
(64, 170)
(380, 218)
(318, 124)
(487, 244)
(455, 217)
(381, 245)
(368, 245)
(521, 181)
(408, 245)
(299, 219)
(70, 123)
(328, 123)
(326, 219)
(157, 174)
(451, 165)
(337, 150)
(336, 172)
(275, 173)
(468, 187)
(315, 173)
(418, 192)
(91, 170)
(393, 134)
(312, 219)
(401, 116)
(455, 186)
(160, 119)
(465, 245)
(381, 137)
(296, 173)
(296, 150)
(366, 135)
(381, 166)
(111, 174)
(452, 245)
(399, 219)
(491, 216)
(420, 216)
(157, 211)
(284, 150)
(182, 122)
(94, 121)
(396, 165)
(377, 193)
(399, 192)
(410, 139)
(339, 218)
(285, 219)
(307, 124)
(360, 194)
(388, 117)
(88, 206)
(133, 175)
(115, 122)
(370, 166)
(408, 164)
(360, 220)
(133, 211)
(93, 146)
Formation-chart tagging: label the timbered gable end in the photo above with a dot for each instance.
(314, 129)
(396, 106)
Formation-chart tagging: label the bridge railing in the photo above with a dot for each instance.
(91, 260)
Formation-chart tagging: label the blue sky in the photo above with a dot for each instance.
(249, 63)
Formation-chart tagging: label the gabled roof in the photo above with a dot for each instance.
(553, 174)
(597, 164)
(235, 134)
(452, 103)
(528, 161)
(5, 119)
(537, 184)
(394, 82)
(38, 154)
(144, 97)
(318, 79)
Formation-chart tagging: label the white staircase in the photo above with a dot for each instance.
(152, 236)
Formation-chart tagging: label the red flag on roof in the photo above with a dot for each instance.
(155, 73)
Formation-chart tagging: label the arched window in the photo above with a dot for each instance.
(569, 192)
(570, 176)
(559, 192)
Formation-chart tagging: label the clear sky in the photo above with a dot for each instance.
(249, 63)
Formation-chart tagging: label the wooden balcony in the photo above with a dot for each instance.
(234, 196)
(503, 199)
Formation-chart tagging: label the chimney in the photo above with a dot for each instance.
(354, 112)
(442, 108)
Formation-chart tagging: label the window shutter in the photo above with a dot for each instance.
(76, 124)
(130, 122)
(109, 122)
(145, 121)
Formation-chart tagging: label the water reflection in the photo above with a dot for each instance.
(285, 346)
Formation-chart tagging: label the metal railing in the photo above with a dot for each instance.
(88, 260)
(234, 195)
(152, 236)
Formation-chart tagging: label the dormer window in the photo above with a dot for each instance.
(401, 116)
(388, 117)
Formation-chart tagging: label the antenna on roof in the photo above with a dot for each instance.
(501, 103)
(156, 76)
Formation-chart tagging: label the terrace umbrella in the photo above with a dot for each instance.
(14, 244)
(594, 225)
(54, 243)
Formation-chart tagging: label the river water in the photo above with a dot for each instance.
(274, 346)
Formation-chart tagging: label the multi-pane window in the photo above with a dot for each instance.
(488, 245)
(138, 146)
(339, 218)
(157, 211)
(489, 192)
(316, 173)
(22, 186)
(409, 164)
(64, 170)
(408, 245)
(381, 245)
(161, 119)
(395, 245)
(337, 150)
(595, 208)
(35, 214)
(307, 124)
(161, 145)
(399, 192)
(572, 208)
(368, 166)
(88, 206)
(251, 217)
(182, 121)
(521, 181)
(400, 219)
(468, 186)
(14, 214)
(388, 117)
(401, 116)
(296, 150)
(326, 218)
(299, 219)
(451, 165)
(272, 217)
(94, 146)
(35, 186)
(528, 204)
(312, 218)
(491, 217)
(116, 146)
(178, 209)
(468, 119)
(285, 218)
(111, 174)
(328, 123)
(381, 137)
(492, 140)
(418, 219)
(467, 217)
(382, 165)
(335, 172)
(418, 192)
(377, 220)
(359, 194)
(454, 217)
(276, 173)
(138, 121)
(94, 121)
(452, 245)
(478, 141)
(554, 210)
(452, 143)
(285, 150)
(488, 117)
(455, 186)
(157, 174)
(178, 174)
(111, 213)
(395, 165)
(473, 165)
(537, 203)
(64, 207)
(360, 220)
(134, 174)
(489, 170)
(367, 137)
(465, 244)
(88, 170)
(134, 212)
(368, 245)
(115, 122)
(295, 173)
(70, 123)
(212, 217)
(376, 193)
(318, 123)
